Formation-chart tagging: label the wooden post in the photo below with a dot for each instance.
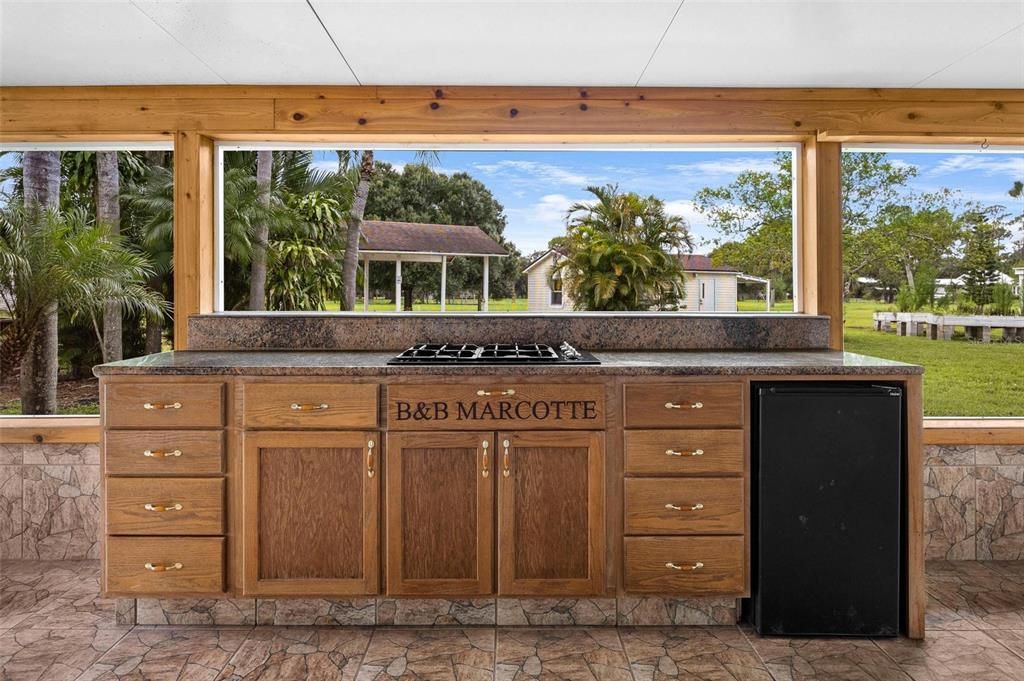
(821, 237)
(194, 267)
(487, 281)
(366, 283)
(398, 283)
(444, 281)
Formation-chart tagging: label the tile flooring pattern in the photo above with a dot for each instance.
(53, 627)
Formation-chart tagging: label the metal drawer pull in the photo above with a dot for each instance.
(370, 472)
(695, 507)
(673, 405)
(503, 393)
(159, 454)
(160, 567)
(696, 566)
(696, 452)
(506, 463)
(162, 405)
(308, 407)
(163, 508)
(486, 471)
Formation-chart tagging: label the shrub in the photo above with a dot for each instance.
(1003, 302)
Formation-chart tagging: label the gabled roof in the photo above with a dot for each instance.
(702, 263)
(417, 237)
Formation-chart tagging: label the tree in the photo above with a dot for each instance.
(984, 232)
(621, 252)
(258, 274)
(758, 207)
(354, 225)
(54, 260)
(108, 213)
(36, 343)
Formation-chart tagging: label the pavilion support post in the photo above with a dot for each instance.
(821, 238)
(398, 284)
(366, 283)
(195, 272)
(487, 281)
(768, 295)
(444, 281)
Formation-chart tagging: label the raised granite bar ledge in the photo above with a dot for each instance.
(590, 331)
(273, 363)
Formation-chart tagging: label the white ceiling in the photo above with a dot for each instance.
(807, 43)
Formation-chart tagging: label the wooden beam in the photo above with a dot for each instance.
(50, 430)
(194, 267)
(952, 432)
(136, 115)
(917, 596)
(821, 234)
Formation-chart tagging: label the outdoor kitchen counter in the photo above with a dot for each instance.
(680, 363)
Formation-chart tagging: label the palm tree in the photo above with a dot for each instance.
(621, 252)
(258, 272)
(37, 344)
(60, 259)
(108, 212)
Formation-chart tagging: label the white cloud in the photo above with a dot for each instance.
(531, 227)
(989, 165)
(903, 165)
(726, 166)
(534, 172)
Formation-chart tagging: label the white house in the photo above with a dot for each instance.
(709, 288)
(942, 286)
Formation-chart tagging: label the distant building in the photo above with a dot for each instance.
(709, 288)
(943, 286)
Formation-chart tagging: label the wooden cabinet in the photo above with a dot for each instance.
(685, 566)
(310, 504)
(686, 404)
(440, 513)
(551, 513)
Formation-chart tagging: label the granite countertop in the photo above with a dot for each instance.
(640, 363)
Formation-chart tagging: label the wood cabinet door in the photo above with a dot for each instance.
(440, 513)
(310, 506)
(551, 513)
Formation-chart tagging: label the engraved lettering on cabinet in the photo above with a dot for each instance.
(523, 410)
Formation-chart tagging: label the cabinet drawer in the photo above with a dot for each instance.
(201, 506)
(163, 405)
(496, 405)
(310, 405)
(684, 405)
(684, 506)
(688, 566)
(191, 565)
(163, 452)
(684, 452)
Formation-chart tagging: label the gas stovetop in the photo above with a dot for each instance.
(492, 353)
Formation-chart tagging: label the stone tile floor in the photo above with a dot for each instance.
(54, 627)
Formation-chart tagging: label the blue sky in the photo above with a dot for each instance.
(536, 187)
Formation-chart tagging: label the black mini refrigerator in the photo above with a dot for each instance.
(827, 509)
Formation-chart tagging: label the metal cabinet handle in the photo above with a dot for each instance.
(506, 461)
(696, 566)
(674, 452)
(485, 471)
(162, 405)
(674, 405)
(163, 508)
(163, 567)
(161, 454)
(370, 472)
(504, 393)
(695, 507)
(309, 407)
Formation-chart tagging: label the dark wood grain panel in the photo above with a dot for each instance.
(201, 500)
(310, 507)
(201, 571)
(683, 452)
(323, 405)
(440, 513)
(163, 452)
(700, 405)
(171, 405)
(310, 513)
(666, 506)
(501, 404)
(551, 522)
(721, 572)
